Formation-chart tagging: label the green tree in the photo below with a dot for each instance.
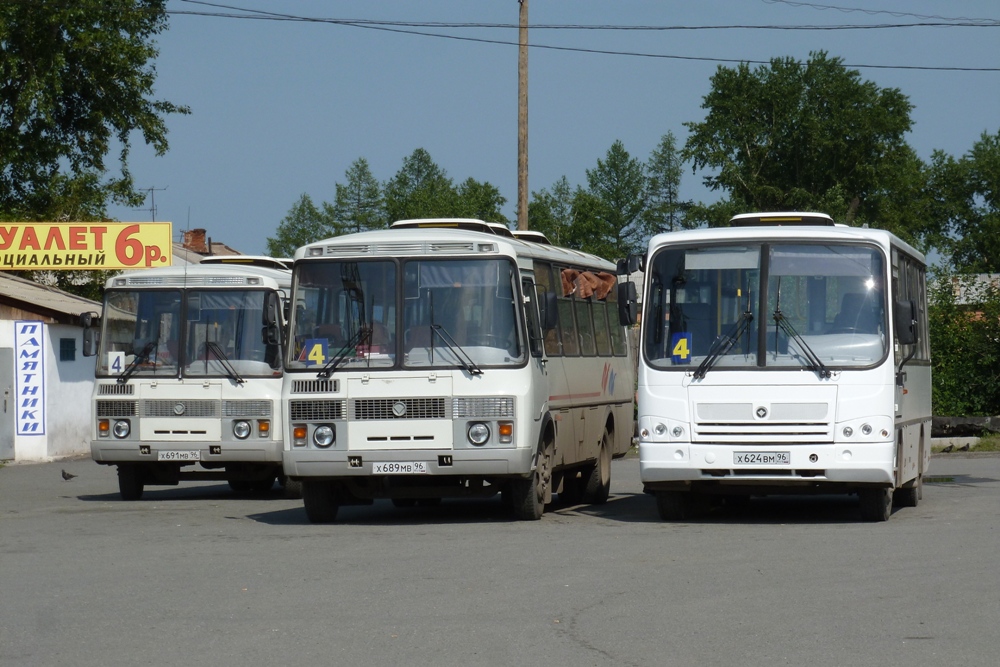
(358, 204)
(966, 202)
(420, 189)
(610, 215)
(805, 136)
(964, 329)
(482, 201)
(665, 211)
(551, 212)
(74, 77)
(304, 223)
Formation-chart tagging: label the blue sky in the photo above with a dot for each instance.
(282, 108)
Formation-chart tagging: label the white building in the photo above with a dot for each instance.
(45, 379)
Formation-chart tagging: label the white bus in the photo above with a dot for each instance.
(189, 376)
(783, 354)
(446, 358)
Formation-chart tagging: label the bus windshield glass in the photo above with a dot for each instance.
(460, 308)
(200, 332)
(224, 327)
(417, 313)
(820, 303)
(343, 311)
(141, 328)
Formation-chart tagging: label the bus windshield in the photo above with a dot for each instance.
(456, 308)
(820, 306)
(199, 332)
(418, 313)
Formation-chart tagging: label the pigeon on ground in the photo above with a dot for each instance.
(948, 448)
(964, 448)
(67, 475)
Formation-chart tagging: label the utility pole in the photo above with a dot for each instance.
(522, 119)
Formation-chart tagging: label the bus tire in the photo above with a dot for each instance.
(130, 481)
(876, 503)
(320, 501)
(597, 487)
(528, 495)
(674, 505)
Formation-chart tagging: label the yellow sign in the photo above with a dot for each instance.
(85, 245)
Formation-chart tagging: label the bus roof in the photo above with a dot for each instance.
(250, 260)
(199, 275)
(424, 240)
(806, 232)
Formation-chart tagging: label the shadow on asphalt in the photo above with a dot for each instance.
(625, 508)
(188, 493)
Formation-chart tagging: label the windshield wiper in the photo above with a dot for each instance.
(463, 357)
(133, 366)
(359, 336)
(213, 347)
(724, 343)
(786, 326)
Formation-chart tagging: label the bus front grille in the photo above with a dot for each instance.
(398, 408)
(180, 408)
(116, 408)
(304, 410)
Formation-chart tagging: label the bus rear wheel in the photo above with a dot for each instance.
(876, 503)
(320, 500)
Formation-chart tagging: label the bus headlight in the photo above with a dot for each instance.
(122, 429)
(323, 436)
(479, 433)
(866, 429)
(848, 431)
(241, 429)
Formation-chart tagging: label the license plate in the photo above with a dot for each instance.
(400, 468)
(179, 455)
(762, 458)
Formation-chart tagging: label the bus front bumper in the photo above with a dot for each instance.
(773, 464)
(313, 463)
(109, 451)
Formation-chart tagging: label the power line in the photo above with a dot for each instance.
(402, 27)
(875, 12)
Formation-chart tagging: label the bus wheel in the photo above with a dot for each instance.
(528, 496)
(876, 503)
(674, 505)
(909, 496)
(130, 481)
(598, 480)
(320, 500)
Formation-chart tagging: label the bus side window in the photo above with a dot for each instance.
(531, 317)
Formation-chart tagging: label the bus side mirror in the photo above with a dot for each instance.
(628, 304)
(548, 312)
(270, 333)
(630, 265)
(91, 336)
(904, 321)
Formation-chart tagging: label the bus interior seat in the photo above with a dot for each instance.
(856, 314)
